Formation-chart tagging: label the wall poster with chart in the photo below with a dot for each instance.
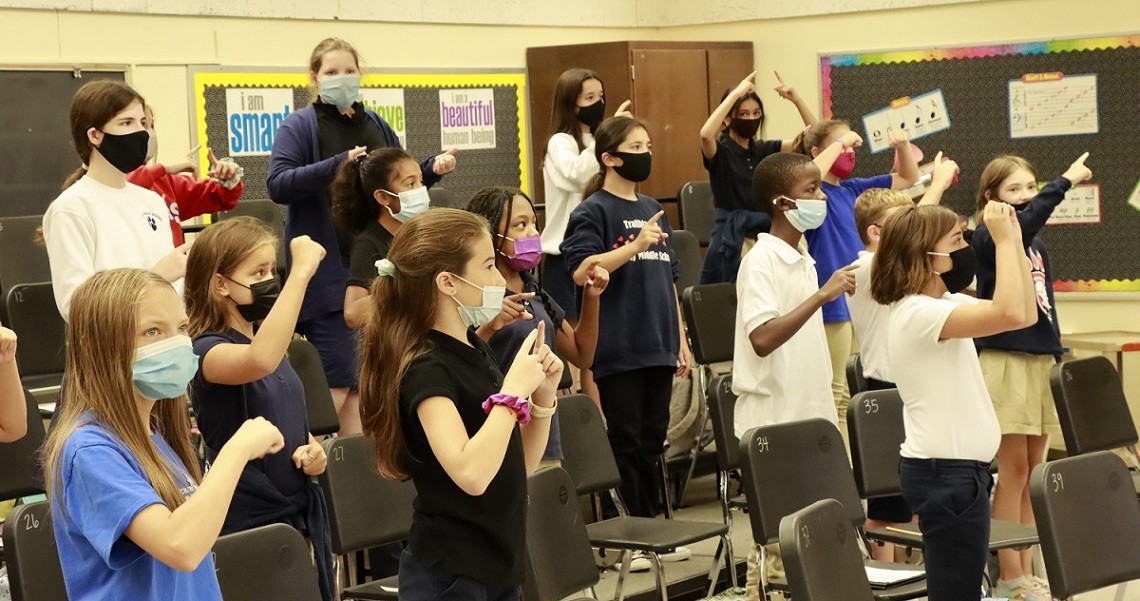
(1048, 101)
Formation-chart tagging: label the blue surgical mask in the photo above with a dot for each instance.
(808, 214)
(483, 314)
(340, 90)
(163, 369)
(412, 203)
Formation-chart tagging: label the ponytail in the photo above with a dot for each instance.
(596, 182)
(352, 191)
(813, 135)
(74, 177)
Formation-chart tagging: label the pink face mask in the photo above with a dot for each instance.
(844, 165)
(528, 253)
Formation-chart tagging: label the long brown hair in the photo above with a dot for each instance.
(352, 191)
(563, 113)
(901, 266)
(93, 105)
(435, 241)
(101, 334)
(609, 135)
(994, 174)
(218, 250)
(813, 136)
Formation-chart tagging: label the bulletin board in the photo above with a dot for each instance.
(237, 111)
(1046, 101)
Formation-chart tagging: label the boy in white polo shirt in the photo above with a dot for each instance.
(779, 328)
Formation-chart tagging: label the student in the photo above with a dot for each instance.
(579, 107)
(779, 329)
(244, 373)
(627, 234)
(372, 196)
(952, 432)
(730, 152)
(186, 196)
(309, 147)
(13, 407)
(102, 221)
(518, 250)
(836, 243)
(1016, 364)
(438, 410)
(132, 515)
(870, 319)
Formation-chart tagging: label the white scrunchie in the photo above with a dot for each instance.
(385, 267)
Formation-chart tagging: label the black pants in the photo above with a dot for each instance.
(636, 404)
(433, 583)
(952, 500)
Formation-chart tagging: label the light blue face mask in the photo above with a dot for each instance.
(340, 90)
(485, 313)
(808, 214)
(163, 369)
(412, 203)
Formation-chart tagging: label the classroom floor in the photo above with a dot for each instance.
(702, 505)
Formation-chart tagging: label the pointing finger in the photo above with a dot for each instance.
(778, 78)
(654, 218)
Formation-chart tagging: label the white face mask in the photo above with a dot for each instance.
(483, 314)
(412, 203)
(808, 214)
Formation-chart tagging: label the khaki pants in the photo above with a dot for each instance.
(840, 345)
(774, 568)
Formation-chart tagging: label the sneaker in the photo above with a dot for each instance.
(678, 554)
(639, 562)
(1018, 589)
(1041, 585)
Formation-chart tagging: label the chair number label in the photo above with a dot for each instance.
(1058, 482)
(870, 406)
(338, 454)
(30, 522)
(762, 444)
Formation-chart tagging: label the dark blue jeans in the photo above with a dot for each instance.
(423, 583)
(952, 500)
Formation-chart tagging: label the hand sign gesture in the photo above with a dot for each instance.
(7, 346)
(785, 90)
(444, 163)
(528, 370)
(746, 86)
(945, 171)
(597, 278)
(650, 233)
(514, 309)
(1078, 172)
(623, 110)
(222, 171)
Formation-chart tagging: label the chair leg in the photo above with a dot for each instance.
(665, 485)
(762, 561)
(618, 503)
(1121, 589)
(714, 571)
(625, 559)
(659, 572)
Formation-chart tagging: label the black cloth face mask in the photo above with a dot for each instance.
(635, 166)
(264, 293)
(592, 115)
(965, 267)
(125, 152)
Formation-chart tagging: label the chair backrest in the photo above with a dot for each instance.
(19, 460)
(1088, 521)
(856, 381)
(22, 261)
(722, 407)
(270, 562)
(306, 362)
(710, 314)
(559, 558)
(586, 452)
(270, 213)
(875, 429)
(821, 559)
(365, 509)
(688, 251)
(33, 315)
(697, 210)
(442, 197)
(34, 571)
(1091, 407)
(789, 466)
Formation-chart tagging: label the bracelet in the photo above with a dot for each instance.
(521, 407)
(537, 411)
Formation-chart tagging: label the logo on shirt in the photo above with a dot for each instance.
(152, 220)
(1040, 284)
(645, 255)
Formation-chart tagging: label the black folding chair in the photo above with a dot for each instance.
(1091, 407)
(34, 571)
(1089, 522)
(306, 362)
(19, 460)
(722, 404)
(856, 381)
(22, 261)
(33, 316)
(591, 465)
(559, 560)
(688, 252)
(787, 467)
(366, 510)
(697, 211)
(269, 562)
(442, 197)
(821, 557)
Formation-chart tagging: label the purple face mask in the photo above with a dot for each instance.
(528, 253)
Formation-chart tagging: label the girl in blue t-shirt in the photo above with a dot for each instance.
(244, 373)
(133, 517)
(627, 234)
(518, 250)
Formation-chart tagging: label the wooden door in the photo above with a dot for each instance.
(726, 67)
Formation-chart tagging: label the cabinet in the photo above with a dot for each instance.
(673, 85)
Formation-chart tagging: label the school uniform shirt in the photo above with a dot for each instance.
(90, 227)
(947, 409)
(565, 172)
(479, 537)
(369, 246)
(1043, 337)
(505, 344)
(836, 243)
(730, 172)
(638, 312)
(185, 197)
(103, 488)
(794, 381)
(871, 321)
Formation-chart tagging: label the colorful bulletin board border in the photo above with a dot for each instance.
(252, 77)
(827, 61)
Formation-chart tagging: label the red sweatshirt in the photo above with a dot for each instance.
(184, 196)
